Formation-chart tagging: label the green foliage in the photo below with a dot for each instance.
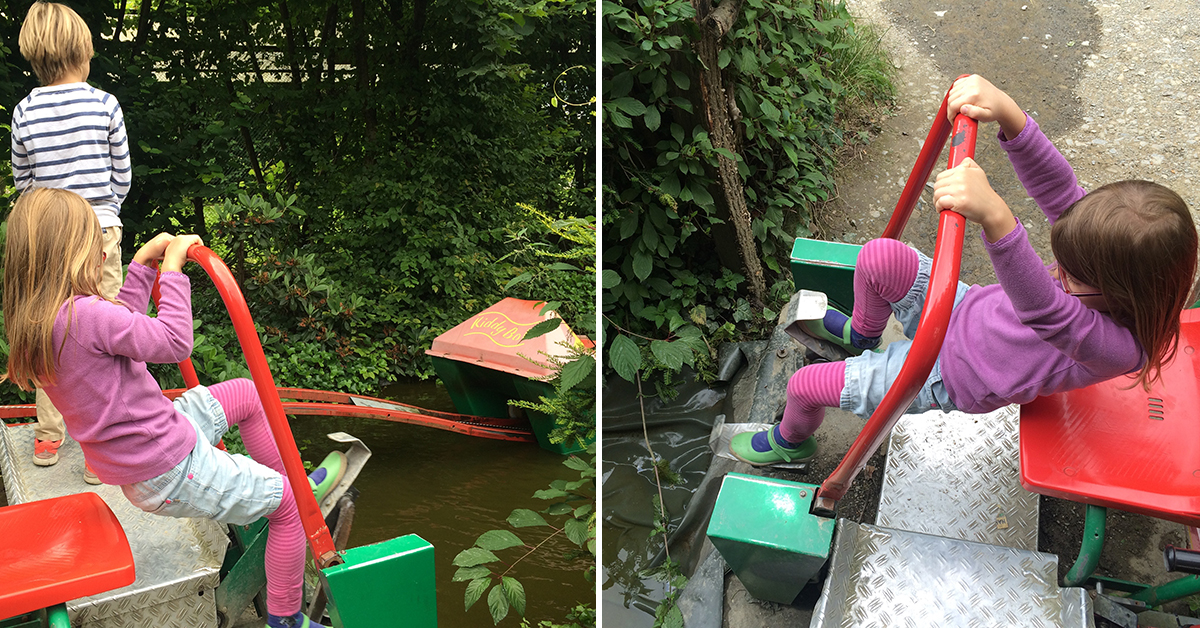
(582, 616)
(571, 244)
(792, 70)
(559, 252)
(360, 171)
(667, 613)
(573, 404)
(555, 257)
(482, 568)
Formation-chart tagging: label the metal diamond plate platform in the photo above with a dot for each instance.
(958, 475)
(880, 577)
(177, 560)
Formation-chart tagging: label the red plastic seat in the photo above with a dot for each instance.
(60, 549)
(1120, 447)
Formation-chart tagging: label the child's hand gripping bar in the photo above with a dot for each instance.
(310, 514)
(935, 317)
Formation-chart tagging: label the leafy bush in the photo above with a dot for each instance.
(788, 68)
(358, 165)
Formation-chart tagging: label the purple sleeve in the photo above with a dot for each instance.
(163, 339)
(1091, 338)
(1044, 172)
(135, 292)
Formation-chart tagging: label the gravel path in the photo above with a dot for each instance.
(1139, 89)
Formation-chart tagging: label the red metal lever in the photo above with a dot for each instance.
(935, 318)
(186, 368)
(315, 529)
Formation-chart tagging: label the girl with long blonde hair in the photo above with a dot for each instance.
(89, 355)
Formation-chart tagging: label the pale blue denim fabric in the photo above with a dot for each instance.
(870, 375)
(209, 483)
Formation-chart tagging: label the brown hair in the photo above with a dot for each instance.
(1134, 241)
(54, 40)
(52, 252)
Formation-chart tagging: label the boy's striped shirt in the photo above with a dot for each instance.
(73, 137)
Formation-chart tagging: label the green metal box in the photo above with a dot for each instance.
(385, 584)
(826, 267)
(764, 531)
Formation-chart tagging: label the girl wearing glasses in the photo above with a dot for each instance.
(1108, 307)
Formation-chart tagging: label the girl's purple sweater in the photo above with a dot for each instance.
(110, 403)
(1024, 337)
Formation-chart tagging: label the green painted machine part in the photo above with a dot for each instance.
(53, 617)
(1089, 556)
(386, 584)
(474, 389)
(29, 620)
(763, 529)
(243, 576)
(1169, 591)
(485, 392)
(826, 267)
(1089, 548)
(56, 617)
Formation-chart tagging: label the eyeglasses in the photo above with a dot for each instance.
(1064, 279)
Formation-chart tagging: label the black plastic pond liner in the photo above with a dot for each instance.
(679, 433)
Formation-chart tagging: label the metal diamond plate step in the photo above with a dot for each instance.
(177, 560)
(957, 475)
(879, 577)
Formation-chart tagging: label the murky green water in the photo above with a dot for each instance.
(449, 488)
(679, 431)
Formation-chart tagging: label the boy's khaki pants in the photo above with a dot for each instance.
(49, 419)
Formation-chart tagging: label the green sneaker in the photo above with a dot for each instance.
(834, 319)
(327, 475)
(742, 447)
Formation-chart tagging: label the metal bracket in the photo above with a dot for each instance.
(811, 306)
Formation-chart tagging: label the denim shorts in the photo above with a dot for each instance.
(209, 483)
(870, 375)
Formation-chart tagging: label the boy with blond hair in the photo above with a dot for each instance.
(67, 134)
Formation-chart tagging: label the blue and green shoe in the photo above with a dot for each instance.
(327, 475)
(768, 447)
(835, 328)
(299, 620)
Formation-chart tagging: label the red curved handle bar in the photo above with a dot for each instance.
(935, 317)
(315, 529)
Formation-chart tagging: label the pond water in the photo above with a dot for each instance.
(448, 489)
(678, 430)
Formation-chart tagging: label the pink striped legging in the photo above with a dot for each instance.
(885, 272)
(285, 536)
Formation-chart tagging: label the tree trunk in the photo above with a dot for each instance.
(252, 51)
(416, 34)
(364, 76)
(244, 131)
(329, 46)
(289, 37)
(714, 23)
(120, 21)
(144, 13)
(329, 42)
(199, 227)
